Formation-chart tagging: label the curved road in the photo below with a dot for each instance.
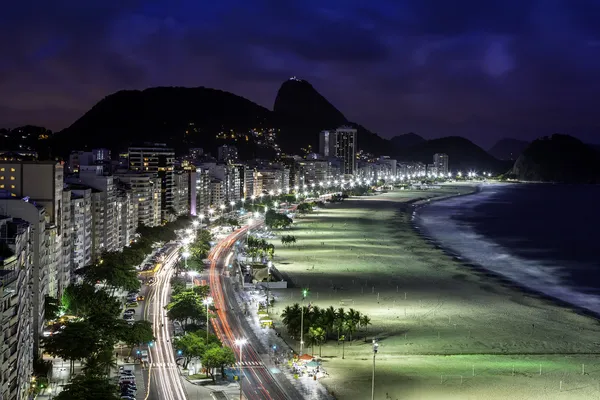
(257, 381)
(164, 382)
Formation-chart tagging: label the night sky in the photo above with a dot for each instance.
(482, 69)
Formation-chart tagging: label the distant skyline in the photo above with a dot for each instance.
(484, 70)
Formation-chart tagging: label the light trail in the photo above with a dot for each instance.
(258, 378)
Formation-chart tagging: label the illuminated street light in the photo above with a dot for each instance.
(207, 302)
(375, 347)
(304, 294)
(185, 255)
(241, 343)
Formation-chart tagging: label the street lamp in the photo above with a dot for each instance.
(252, 198)
(201, 216)
(195, 223)
(304, 294)
(222, 207)
(240, 343)
(232, 203)
(207, 302)
(185, 256)
(375, 347)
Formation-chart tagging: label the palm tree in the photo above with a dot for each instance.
(365, 321)
(329, 316)
(291, 318)
(317, 335)
(352, 318)
(339, 322)
(99, 364)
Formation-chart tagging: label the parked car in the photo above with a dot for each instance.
(132, 304)
(130, 311)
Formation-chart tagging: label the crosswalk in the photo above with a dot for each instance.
(248, 364)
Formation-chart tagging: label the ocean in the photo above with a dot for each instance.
(541, 236)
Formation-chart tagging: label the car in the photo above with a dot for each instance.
(126, 372)
(127, 378)
(140, 298)
(129, 317)
(128, 392)
(130, 311)
(127, 398)
(132, 304)
(129, 386)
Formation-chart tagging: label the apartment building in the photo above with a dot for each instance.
(16, 330)
(146, 191)
(199, 191)
(34, 214)
(127, 215)
(159, 159)
(82, 225)
(181, 194)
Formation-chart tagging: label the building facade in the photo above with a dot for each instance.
(158, 159)
(146, 191)
(16, 346)
(440, 161)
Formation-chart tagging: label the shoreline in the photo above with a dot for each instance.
(488, 273)
(453, 315)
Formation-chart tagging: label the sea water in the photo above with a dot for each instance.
(541, 236)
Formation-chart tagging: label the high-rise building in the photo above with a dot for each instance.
(146, 190)
(35, 214)
(127, 215)
(159, 159)
(104, 207)
(200, 194)
(81, 217)
(340, 143)
(440, 161)
(181, 194)
(16, 346)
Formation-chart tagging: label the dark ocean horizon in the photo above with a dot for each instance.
(541, 236)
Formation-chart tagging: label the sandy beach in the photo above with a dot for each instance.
(446, 331)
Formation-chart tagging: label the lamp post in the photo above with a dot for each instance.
(232, 203)
(222, 207)
(375, 347)
(207, 302)
(201, 216)
(240, 343)
(304, 294)
(185, 256)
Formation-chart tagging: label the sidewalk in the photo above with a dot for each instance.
(228, 391)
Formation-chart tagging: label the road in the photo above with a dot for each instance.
(164, 382)
(257, 383)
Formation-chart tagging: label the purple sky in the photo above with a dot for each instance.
(480, 69)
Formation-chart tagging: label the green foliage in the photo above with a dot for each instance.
(217, 357)
(88, 387)
(177, 285)
(84, 299)
(114, 270)
(186, 306)
(51, 308)
(305, 208)
(68, 343)
(100, 364)
(260, 248)
(274, 220)
(332, 321)
(138, 333)
(192, 345)
(288, 240)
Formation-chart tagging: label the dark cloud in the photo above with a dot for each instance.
(483, 69)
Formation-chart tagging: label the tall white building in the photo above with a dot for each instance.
(146, 190)
(200, 191)
(16, 330)
(181, 193)
(35, 215)
(82, 225)
(127, 215)
(160, 159)
(440, 162)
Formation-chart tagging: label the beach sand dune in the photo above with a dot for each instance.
(446, 331)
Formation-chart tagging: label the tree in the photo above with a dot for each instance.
(68, 343)
(365, 321)
(99, 364)
(217, 357)
(317, 336)
(288, 240)
(112, 270)
(305, 208)
(186, 306)
(83, 299)
(191, 345)
(88, 387)
(51, 308)
(137, 333)
(291, 316)
(274, 220)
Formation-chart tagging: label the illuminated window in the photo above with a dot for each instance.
(1, 178)
(12, 178)
(12, 170)
(12, 186)
(2, 169)
(1, 186)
